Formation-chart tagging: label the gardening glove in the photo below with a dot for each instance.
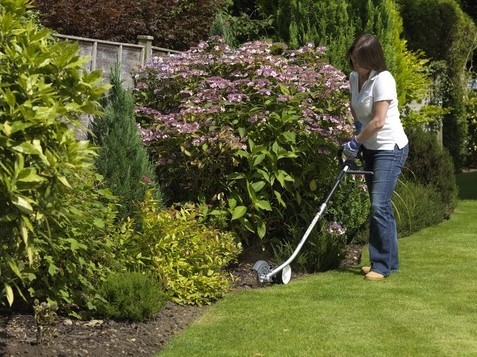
(351, 148)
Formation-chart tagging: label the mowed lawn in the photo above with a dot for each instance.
(429, 308)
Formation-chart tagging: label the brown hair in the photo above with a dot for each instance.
(368, 52)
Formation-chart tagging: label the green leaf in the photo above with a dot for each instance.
(64, 181)
(257, 186)
(261, 229)
(278, 196)
(52, 269)
(14, 267)
(238, 212)
(232, 203)
(313, 185)
(236, 176)
(284, 89)
(263, 204)
(289, 136)
(9, 293)
(29, 175)
(6, 128)
(258, 159)
(22, 204)
(32, 148)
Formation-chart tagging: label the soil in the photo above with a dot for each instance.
(104, 338)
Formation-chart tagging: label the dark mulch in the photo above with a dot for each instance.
(104, 338)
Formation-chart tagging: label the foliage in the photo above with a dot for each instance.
(335, 24)
(325, 23)
(416, 206)
(45, 320)
(122, 159)
(78, 253)
(43, 93)
(133, 296)
(188, 256)
(237, 25)
(471, 143)
(250, 132)
(431, 165)
(174, 24)
(444, 32)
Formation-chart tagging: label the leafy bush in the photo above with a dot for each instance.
(122, 159)
(78, 252)
(131, 296)
(174, 24)
(416, 206)
(250, 132)
(188, 256)
(44, 91)
(429, 164)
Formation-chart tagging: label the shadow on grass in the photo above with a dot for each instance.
(466, 182)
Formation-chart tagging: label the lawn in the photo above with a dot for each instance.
(428, 308)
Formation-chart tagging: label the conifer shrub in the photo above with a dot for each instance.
(122, 159)
(431, 165)
(250, 132)
(133, 296)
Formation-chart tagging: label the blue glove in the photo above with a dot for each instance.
(351, 148)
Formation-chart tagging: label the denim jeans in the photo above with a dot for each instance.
(383, 244)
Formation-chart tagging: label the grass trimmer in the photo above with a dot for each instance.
(282, 273)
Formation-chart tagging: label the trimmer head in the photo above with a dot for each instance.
(265, 274)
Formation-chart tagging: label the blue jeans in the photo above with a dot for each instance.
(383, 244)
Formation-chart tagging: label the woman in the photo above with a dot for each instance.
(384, 144)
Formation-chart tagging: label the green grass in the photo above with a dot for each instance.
(429, 308)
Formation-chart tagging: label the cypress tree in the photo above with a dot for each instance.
(123, 159)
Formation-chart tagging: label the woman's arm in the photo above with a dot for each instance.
(380, 110)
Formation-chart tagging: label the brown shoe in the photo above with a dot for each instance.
(372, 275)
(365, 270)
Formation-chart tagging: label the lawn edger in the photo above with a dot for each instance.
(282, 273)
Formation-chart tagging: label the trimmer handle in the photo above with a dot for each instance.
(352, 167)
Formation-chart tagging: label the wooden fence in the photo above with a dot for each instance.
(105, 54)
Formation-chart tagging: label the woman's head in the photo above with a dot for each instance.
(366, 51)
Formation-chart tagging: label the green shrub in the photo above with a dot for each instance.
(44, 92)
(131, 296)
(416, 207)
(188, 256)
(122, 159)
(429, 164)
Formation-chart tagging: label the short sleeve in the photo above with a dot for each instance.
(384, 87)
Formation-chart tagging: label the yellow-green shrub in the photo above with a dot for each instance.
(188, 256)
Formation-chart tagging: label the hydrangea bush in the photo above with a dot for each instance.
(252, 132)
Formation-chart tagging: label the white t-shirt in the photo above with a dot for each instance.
(378, 87)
